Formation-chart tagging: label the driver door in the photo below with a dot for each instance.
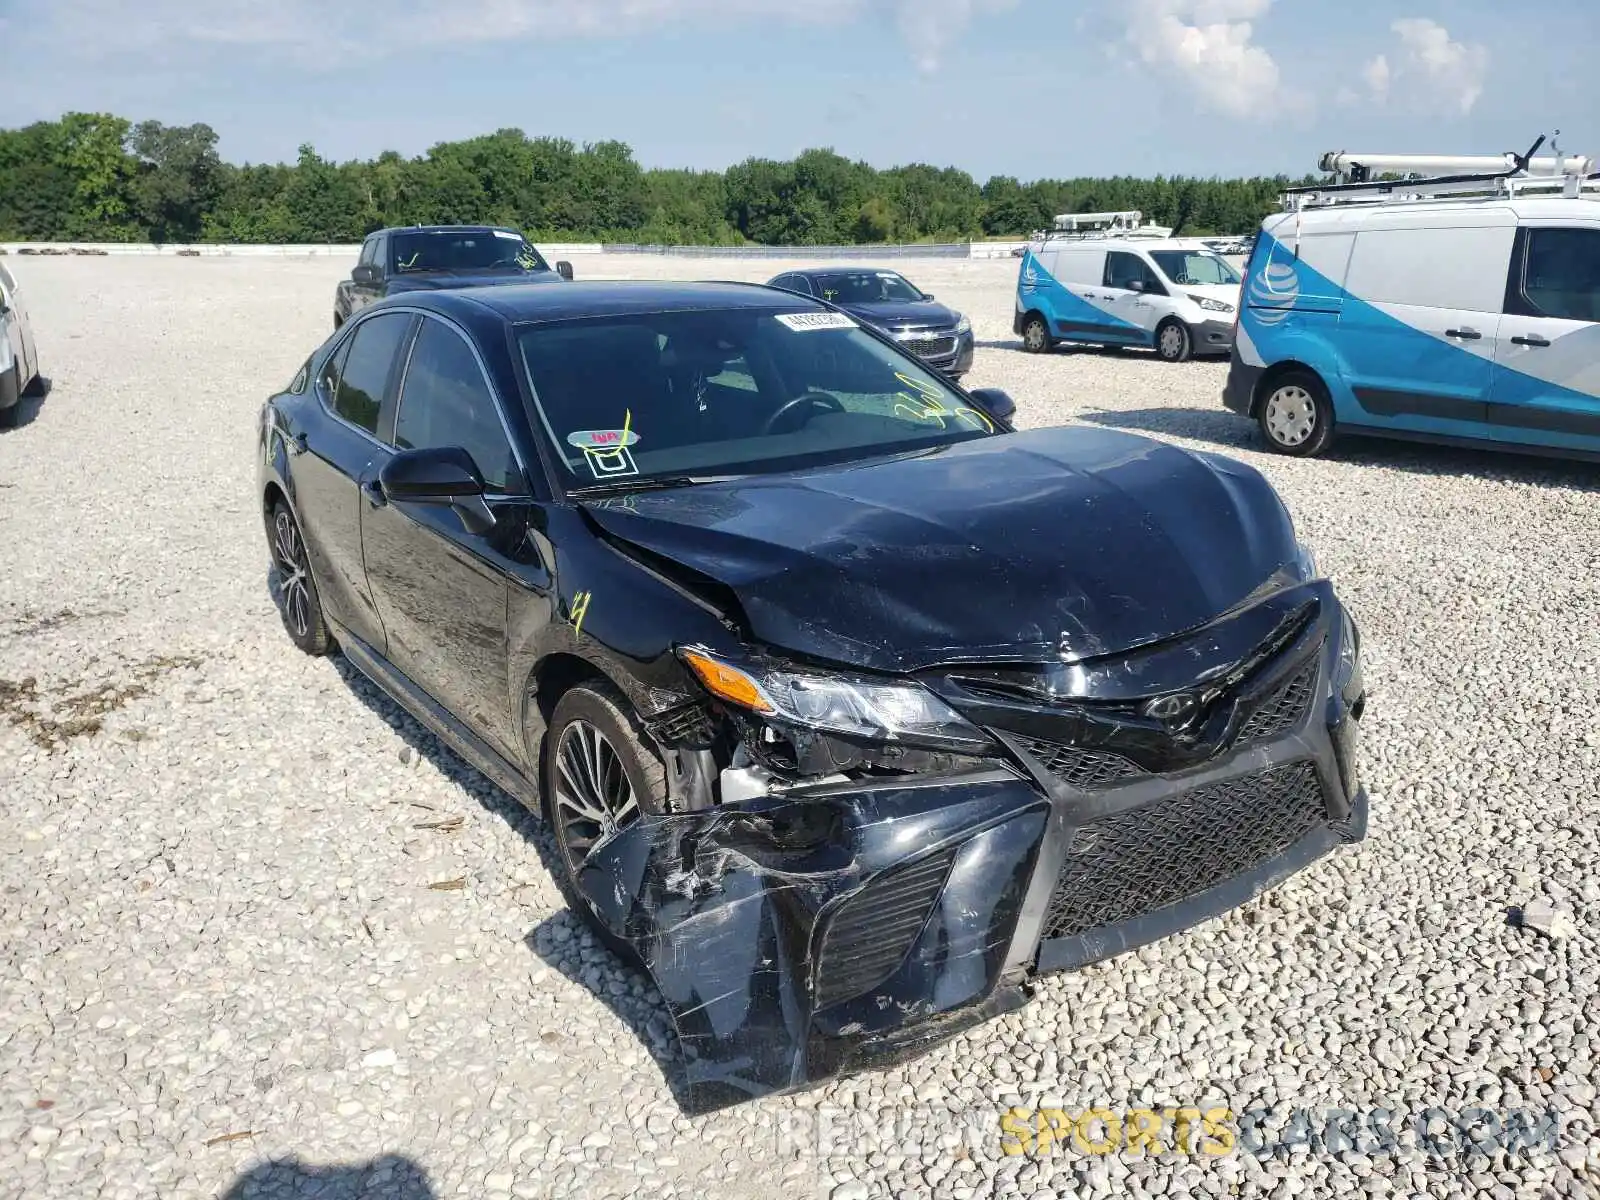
(1129, 288)
(442, 589)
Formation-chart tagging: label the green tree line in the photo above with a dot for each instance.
(100, 177)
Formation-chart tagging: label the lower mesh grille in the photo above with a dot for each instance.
(870, 934)
(1079, 767)
(688, 725)
(1282, 710)
(1134, 863)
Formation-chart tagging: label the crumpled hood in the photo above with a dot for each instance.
(422, 281)
(1029, 546)
(895, 314)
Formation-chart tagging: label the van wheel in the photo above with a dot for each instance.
(1173, 342)
(1297, 415)
(1036, 337)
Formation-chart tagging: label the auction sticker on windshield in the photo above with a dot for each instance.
(602, 439)
(510, 237)
(801, 322)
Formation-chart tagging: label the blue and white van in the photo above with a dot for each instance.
(1174, 296)
(1411, 310)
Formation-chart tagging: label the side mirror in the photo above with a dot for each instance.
(927, 295)
(445, 476)
(997, 401)
(564, 269)
(1136, 285)
(364, 273)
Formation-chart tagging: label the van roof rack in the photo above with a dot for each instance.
(1128, 223)
(1431, 176)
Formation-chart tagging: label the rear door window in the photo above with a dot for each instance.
(368, 365)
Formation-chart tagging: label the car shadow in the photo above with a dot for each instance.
(563, 941)
(1233, 432)
(29, 404)
(1418, 458)
(391, 1176)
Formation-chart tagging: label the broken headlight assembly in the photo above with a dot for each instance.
(852, 706)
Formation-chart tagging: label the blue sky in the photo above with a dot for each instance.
(1023, 87)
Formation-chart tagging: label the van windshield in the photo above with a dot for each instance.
(1194, 267)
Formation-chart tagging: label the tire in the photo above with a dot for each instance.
(36, 386)
(1173, 342)
(594, 721)
(10, 399)
(301, 609)
(1296, 415)
(1036, 337)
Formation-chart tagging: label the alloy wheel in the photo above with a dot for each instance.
(1291, 415)
(294, 571)
(594, 797)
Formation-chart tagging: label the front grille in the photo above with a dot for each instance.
(870, 934)
(1078, 767)
(1282, 710)
(1133, 863)
(930, 347)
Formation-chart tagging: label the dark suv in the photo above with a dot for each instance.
(851, 708)
(419, 257)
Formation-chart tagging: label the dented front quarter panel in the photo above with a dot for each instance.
(728, 909)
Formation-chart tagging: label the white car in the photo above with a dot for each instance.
(19, 360)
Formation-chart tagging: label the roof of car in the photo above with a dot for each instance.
(605, 298)
(859, 268)
(444, 229)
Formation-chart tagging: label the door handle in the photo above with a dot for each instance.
(1466, 335)
(1532, 339)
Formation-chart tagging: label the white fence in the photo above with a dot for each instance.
(550, 251)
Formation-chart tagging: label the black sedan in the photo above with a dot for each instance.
(886, 300)
(852, 709)
(426, 257)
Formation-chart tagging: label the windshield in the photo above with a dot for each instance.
(732, 391)
(465, 250)
(1193, 267)
(864, 287)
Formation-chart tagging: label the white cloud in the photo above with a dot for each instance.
(1210, 45)
(1432, 70)
(317, 32)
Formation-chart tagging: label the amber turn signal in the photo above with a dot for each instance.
(727, 683)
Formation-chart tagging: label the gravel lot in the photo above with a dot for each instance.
(260, 936)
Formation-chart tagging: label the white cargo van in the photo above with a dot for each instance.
(19, 361)
(1126, 288)
(1462, 307)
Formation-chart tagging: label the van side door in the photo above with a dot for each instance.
(1546, 387)
(1132, 294)
(1418, 325)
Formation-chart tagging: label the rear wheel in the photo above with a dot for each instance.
(1036, 337)
(10, 394)
(1296, 415)
(600, 778)
(301, 606)
(1173, 343)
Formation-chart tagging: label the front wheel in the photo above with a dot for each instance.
(1297, 415)
(1173, 342)
(10, 398)
(1036, 337)
(600, 778)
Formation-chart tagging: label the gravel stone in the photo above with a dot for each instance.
(221, 966)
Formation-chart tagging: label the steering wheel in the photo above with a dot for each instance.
(804, 400)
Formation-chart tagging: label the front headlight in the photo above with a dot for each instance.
(964, 325)
(852, 705)
(1210, 305)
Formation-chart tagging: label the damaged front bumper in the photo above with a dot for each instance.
(801, 936)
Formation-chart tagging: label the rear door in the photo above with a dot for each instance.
(1546, 386)
(340, 445)
(1417, 328)
(442, 589)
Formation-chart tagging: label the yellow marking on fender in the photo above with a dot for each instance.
(580, 609)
